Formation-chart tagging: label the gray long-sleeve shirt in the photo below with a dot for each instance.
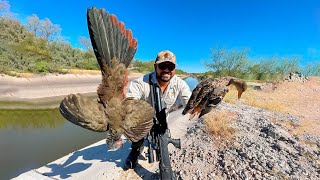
(140, 89)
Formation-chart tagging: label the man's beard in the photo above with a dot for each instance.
(165, 76)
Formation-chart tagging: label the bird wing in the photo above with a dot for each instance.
(210, 92)
(201, 91)
(131, 117)
(213, 99)
(139, 119)
(84, 112)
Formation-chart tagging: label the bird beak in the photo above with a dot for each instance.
(239, 94)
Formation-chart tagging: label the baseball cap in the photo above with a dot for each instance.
(165, 56)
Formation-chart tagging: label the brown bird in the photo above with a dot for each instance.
(209, 93)
(114, 48)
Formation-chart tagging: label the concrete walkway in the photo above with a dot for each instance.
(97, 162)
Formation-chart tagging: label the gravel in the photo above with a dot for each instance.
(260, 149)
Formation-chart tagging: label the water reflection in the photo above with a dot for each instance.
(48, 118)
(192, 82)
(32, 138)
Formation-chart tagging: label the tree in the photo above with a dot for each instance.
(143, 67)
(312, 69)
(33, 24)
(288, 65)
(48, 29)
(5, 9)
(228, 62)
(85, 42)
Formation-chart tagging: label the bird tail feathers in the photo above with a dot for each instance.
(110, 39)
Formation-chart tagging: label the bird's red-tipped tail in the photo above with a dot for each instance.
(110, 38)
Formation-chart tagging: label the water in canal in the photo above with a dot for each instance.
(30, 139)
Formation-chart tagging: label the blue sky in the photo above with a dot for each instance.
(191, 28)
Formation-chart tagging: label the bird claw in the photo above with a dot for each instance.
(115, 145)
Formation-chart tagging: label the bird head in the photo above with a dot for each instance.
(240, 85)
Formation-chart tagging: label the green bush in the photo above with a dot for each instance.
(90, 64)
(42, 67)
(237, 63)
(143, 67)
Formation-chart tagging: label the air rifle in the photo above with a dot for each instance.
(159, 136)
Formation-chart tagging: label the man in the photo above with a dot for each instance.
(171, 86)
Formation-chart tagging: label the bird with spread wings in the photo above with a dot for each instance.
(210, 92)
(114, 48)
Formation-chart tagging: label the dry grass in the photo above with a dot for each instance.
(81, 71)
(255, 98)
(63, 71)
(66, 71)
(218, 124)
(311, 144)
(17, 74)
(305, 126)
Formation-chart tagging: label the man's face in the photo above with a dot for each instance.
(165, 71)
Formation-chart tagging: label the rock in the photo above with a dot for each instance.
(295, 77)
(276, 146)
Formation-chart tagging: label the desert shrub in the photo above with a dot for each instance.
(179, 71)
(237, 63)
(225, 62)
(42, 67)
(143, 67)
(312, 69)
(90, 64)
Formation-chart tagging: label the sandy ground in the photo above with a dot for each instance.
(299, 99)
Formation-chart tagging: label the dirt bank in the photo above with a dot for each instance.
(46, 91)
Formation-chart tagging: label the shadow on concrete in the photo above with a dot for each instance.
(80, 160)
(140, 170)
(145, 174)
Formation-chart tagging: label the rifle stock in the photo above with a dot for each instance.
(159, 136)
